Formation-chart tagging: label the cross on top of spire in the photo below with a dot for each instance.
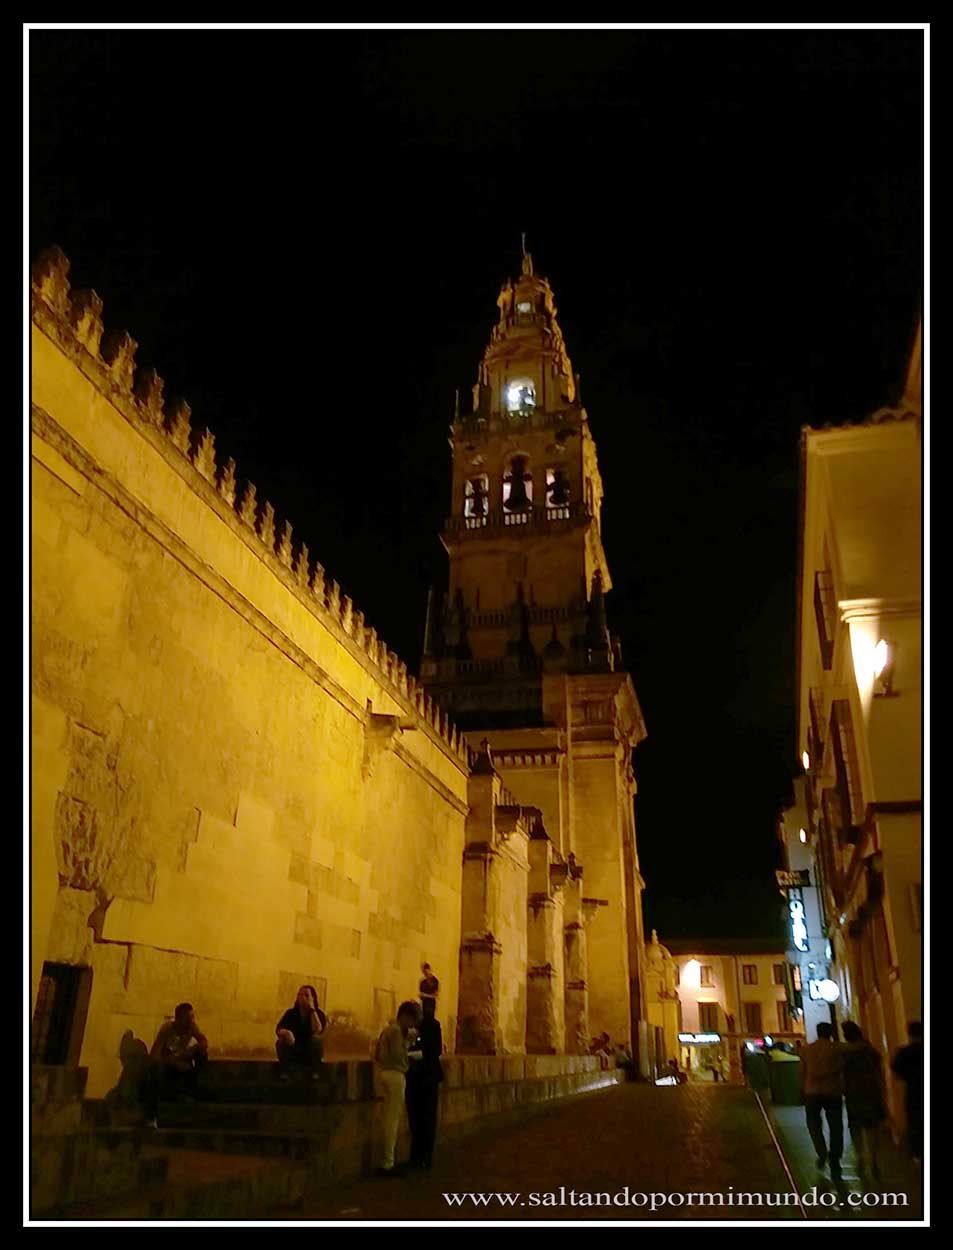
(527, 259)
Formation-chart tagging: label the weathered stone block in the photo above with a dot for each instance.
(308, 931)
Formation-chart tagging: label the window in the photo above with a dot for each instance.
(824, 615)
(476, 500)
(518, 486)
(557, 493)
(749, 974)
(752, 1018)
(784, 1018)
(848, 803)
(705, 976)
(520, 396)
(708, 1017)
(777, 974)
(678, 976)
(796, 977)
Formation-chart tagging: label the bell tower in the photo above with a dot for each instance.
(519, 650)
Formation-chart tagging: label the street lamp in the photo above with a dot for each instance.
(883, 664)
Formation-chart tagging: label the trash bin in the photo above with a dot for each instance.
(757, 1072)
(785, 1077)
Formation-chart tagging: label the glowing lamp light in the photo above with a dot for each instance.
(802, 834)
(881, 657)
(827, 991)
(806, 761)
(882, 665)
(691, 973)
(513, 395)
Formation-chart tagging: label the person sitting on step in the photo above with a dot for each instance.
(298, 1035)
(178, 1055)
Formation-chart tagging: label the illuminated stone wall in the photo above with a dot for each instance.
(237, 787)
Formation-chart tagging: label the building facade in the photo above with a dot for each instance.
(810, 952)
(237, 787)
(860, 706)
(730, 992)
(520, 654)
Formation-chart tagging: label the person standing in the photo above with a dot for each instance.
(429, 985)
(864, 1098)
(823, 1094)
(177, 1058)
(298, 1035)
(423, 1087)
(393, 1062)
(908, 1065)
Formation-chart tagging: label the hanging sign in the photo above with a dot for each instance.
(798, 922)
(787, 877)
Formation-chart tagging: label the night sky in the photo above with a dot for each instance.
(306, 231)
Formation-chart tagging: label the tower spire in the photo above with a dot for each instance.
(527, 259)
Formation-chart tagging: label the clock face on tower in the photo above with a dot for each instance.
(520, 396)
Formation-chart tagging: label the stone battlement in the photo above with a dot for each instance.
(73, 319)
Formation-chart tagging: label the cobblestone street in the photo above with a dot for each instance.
(660, 1140)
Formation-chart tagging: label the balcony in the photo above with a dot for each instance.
(500, 519)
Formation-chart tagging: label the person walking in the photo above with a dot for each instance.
(423, 1087)
(823, 1082)
(864, 1099)
(908, 1066)
(393, 1061)
(298, 1036)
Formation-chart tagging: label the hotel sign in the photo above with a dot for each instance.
(793, 877)
(798, 923)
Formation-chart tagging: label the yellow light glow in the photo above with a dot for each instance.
(691, 973)
(805, 760)
(802, 834)
(881, 657)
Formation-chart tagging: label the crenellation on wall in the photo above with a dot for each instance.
(266, 526)
(178, 424)
(148, 389)
(78, 324)
(86, 319)
(119, 353)
(203, 456)
(226, 485)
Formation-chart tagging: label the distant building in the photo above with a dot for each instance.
(730, 991)
(860, 706)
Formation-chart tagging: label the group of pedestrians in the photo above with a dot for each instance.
(407, 1055)
(850, 1073)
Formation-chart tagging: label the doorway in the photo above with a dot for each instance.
(59, 1017)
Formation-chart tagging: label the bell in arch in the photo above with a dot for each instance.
(518, 498)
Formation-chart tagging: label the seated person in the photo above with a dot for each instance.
(178, 1055)
(298, 1035)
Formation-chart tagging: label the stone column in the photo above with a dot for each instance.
(492, 1005)
(545, 1009)
(576, 965)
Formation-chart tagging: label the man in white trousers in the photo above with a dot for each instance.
(393, 1060)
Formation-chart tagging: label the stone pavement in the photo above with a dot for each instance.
(899, 1176)
(653, 1139)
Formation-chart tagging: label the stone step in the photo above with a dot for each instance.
(202, 1185)
(263, 1116)
(324, 1154)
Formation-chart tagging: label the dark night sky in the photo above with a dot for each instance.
(305, 231)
